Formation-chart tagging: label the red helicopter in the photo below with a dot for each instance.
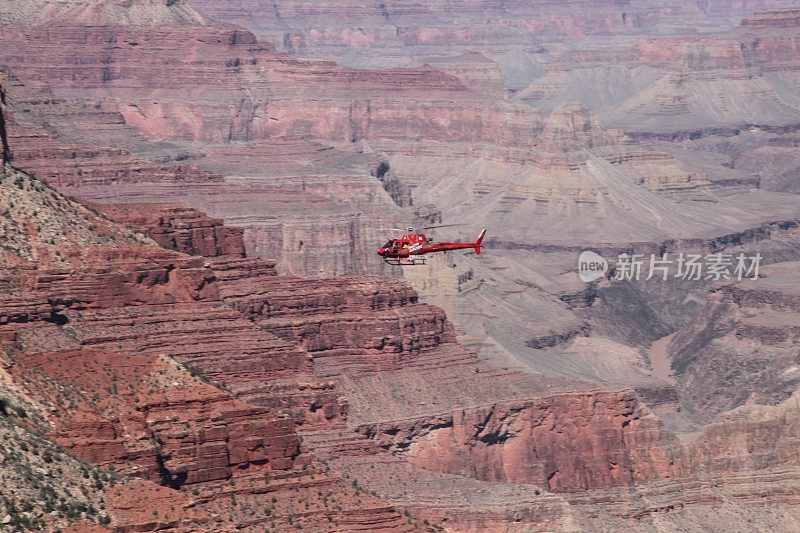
(410, 249)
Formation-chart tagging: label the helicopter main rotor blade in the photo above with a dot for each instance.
(414, 228)
(441, 226)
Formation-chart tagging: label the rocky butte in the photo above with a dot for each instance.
(196, 334)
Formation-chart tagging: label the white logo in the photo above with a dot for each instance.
(591, 266)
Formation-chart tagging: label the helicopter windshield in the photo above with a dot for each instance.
(388, 244)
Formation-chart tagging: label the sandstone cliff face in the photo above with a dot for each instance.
(96, 331)
(184, 435)
(544, 442)
(386, 106)
(333, 323)
(180, 229)
(63, 165)
(540, 441)
(387, 31)
(5, 153)
(101, 150)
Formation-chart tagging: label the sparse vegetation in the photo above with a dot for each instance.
(202, 377)
(37, 478)
(57, 220)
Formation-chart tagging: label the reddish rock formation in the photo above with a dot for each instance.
(544, 442)
(122, 403)
(65, 165)
(387, 106)
(184, 435)
(94, 337)
(145, 414)
(85, 160)
(773, 19)
(178, 228)
(128, 275)
(141, 506)
(372, 322)
(5, 153)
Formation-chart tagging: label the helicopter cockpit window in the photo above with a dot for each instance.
(388, 244)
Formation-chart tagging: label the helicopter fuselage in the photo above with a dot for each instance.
(413, 244)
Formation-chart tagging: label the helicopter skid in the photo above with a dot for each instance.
(405, 261)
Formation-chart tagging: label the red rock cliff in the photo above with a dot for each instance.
(567, 443)
(4, 151)
(179, 228)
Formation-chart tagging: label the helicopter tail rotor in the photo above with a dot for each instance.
(479, 242)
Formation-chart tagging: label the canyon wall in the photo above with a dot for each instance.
(259, 399)
(395, 31)
(140, 376)
(741, 349)
(544, 442)
(5, 153)
(112, 339)
(181, 229)
(352, 104)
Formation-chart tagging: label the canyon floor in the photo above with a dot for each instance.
(197, 335)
